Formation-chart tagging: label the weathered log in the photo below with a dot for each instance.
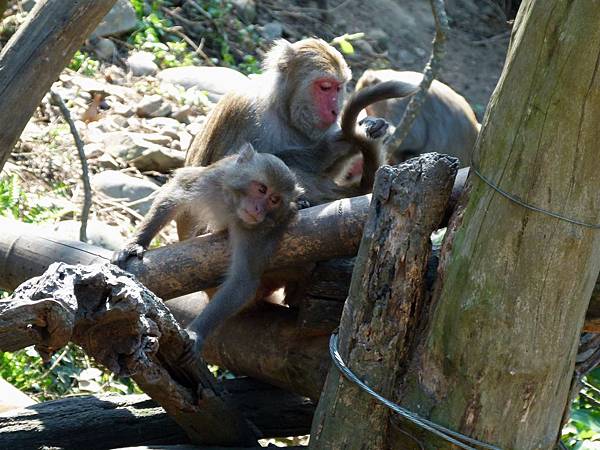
(387, 295)
(195, 447)
(267, 343)
(120, 421)
(129, 330)
(36, 54)
(322, 232)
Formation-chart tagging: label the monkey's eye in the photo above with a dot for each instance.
(262, 188)
(274, 199)
(326, 85)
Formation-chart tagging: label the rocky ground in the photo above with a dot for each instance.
(137, 121)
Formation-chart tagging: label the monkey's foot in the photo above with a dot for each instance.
(375, 127)
(120, 257)
(193, 349)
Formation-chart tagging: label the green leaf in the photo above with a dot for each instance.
(346, 47)
(589, 418)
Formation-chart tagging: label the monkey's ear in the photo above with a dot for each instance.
(278, 58)
(246, 153)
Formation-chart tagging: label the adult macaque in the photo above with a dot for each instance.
(445, 124)
(291, 111)
(250, 194)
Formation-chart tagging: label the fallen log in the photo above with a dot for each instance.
(134, 420)
(34, 57)
(129, 330)
(322, 232)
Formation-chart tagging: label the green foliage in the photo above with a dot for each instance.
(84, 64)
(69, 372)
(15, 202)
(344, 42)
(583, 429)
(216, 24)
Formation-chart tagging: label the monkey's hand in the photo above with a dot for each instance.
(193, 349)
(375, 127)
(302, 203)
(120, 257)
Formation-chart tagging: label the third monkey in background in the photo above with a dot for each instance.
(445, 124)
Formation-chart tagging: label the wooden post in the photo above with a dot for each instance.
(497, 358)
(387, 295)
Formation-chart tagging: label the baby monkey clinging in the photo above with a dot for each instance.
(252, 195)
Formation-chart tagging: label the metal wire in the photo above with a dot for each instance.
(518, 201)
(451, 436)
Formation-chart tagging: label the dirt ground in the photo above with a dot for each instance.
(399, 35)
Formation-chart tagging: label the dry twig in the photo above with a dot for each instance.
(429, 73)
(85, 176)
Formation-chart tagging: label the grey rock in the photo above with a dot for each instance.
(215, 80)
(185, 140)
(28, 5)
(128, 146)
(142, 64)
(108, 162)
(153, 106)
(104, 48)
(182, 114)
(98, 233)
(196, 127)
(120, 121)
(93, 150)
(272, 31)
(158, 138)
(120, 19)
(117, 185)
(380, 38)
(246, 9)
(123, 109)
(160, 159)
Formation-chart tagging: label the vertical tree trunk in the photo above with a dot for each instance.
(386, 296)
(34, 57)
(499, 352)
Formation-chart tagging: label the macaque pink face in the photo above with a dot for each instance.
(327, 94)
(257, 203)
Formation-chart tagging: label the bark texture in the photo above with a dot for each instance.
(120, 421)
(36, 54)
(498, 356)
(130, 331)
(322, 232)
(383, 309)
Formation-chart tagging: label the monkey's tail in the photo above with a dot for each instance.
(357, 102)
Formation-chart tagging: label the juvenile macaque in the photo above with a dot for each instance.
(292, 111)
(250, 194)
(445, 124)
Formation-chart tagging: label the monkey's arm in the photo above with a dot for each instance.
(251, 251)
(164, 209)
